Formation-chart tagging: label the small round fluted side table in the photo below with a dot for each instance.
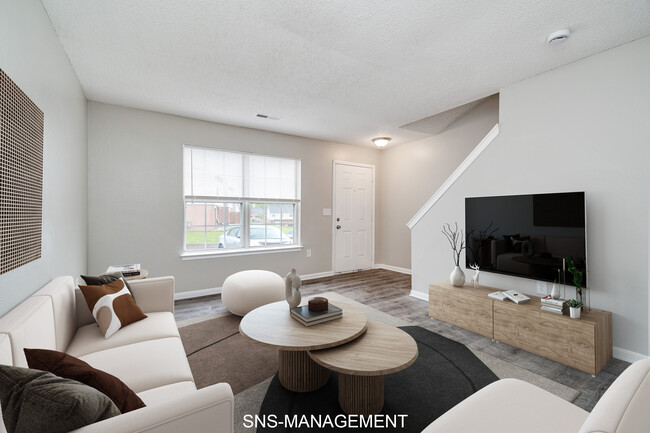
(362, 364)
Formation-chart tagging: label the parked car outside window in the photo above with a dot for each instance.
(259, 237)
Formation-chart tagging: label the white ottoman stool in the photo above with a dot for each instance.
(247, 290)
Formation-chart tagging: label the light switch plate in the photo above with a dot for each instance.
(327, 211)
(542, 288)
(308, 253)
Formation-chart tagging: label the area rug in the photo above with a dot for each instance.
(445, 373)
(218, 353)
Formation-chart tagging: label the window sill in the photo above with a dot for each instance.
(198, 255)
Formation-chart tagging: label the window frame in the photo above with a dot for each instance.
(245, 205)
(205, 224)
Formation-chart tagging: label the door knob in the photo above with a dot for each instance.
(338, 227)
(338, 219)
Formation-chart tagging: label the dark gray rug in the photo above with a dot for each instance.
(445, 373)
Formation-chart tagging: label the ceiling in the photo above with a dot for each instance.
(433, 125)
(336, 70)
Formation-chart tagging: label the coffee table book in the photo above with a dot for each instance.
(553, 310)
(556, 306)
(317, 322)
(309, 318)
(129, 270)
(516, 297)
(512, 295)
(559, 303)
(500, 296)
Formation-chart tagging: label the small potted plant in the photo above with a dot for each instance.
(574, 308)
(577, 279)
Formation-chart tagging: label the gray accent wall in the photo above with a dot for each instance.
(412, 172)
(581, 127)
(30, 53)
(136, 197)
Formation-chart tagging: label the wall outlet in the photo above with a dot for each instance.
(308, 253)
(542, 288)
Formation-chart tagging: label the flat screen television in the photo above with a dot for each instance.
(527, 235)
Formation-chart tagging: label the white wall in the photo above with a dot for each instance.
(582, 127)
(412, 172)
(135, 189)
(31, 55)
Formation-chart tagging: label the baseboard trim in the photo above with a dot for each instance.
(627, 355)
(308, 277)
(197, 293)
(419, 295)
(217, 290)
(394, 269)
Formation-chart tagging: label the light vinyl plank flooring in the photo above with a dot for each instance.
(388, 291)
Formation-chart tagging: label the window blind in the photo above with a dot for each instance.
(212, 173)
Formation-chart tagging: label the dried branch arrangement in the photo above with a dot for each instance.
(456, 240)
(476, 240)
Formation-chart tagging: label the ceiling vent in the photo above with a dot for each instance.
(559, 36)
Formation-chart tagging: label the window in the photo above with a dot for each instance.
(235, 202)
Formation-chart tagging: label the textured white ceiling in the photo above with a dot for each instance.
(338, 70)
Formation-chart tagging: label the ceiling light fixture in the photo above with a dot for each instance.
(559, 36)
(381, 142)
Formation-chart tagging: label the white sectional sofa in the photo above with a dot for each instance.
(513, 406)
(148, 356)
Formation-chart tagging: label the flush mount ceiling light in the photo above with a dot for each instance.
(381, 142)
(559, 36)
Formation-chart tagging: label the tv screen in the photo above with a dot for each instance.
(527, 235)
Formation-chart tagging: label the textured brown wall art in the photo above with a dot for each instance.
(21, 177)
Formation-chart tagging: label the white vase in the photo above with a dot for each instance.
(575, 312)
(457, 277)
(555, 292)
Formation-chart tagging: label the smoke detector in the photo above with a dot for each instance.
(559, 36)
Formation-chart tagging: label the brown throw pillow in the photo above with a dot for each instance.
(105, 279)
(69, 367)
(38, 401)
(112, 306)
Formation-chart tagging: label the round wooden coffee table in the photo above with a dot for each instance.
(272, 325)
(362, 364)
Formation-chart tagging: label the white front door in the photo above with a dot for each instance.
(353, 216)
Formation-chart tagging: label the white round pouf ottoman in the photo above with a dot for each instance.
(247, 290)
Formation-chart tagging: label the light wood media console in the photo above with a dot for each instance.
(585, 343)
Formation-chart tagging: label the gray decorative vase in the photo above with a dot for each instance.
(292, 288)
(457, 277)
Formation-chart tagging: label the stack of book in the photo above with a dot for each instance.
(310, 318)
(126, 270)
(555, 306)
